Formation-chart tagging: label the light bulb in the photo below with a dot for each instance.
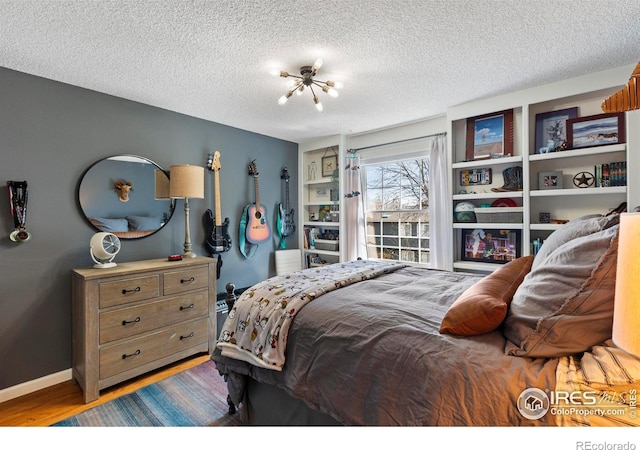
(300, 90)
(331, 91)
(317, 64)
(338, 85)
(282, 100)
(318, 104)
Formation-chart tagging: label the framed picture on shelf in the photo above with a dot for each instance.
(550, 180)
(596, 130)
(491, 246)
(490, 135)
(551, 130)
(474, 177)
(329, 164)
(324, 213)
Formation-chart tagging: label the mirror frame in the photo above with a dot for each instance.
(108, 193)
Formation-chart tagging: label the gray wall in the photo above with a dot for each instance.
(50, 134)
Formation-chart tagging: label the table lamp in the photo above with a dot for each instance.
(186, 181)
(626, 313)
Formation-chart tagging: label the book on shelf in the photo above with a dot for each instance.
(612, 174)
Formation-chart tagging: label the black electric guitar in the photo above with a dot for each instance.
(287, 224)
(258, 229)
(218, 239)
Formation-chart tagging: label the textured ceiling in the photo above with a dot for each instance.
(399, 61)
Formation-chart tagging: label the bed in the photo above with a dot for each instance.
(379, 343)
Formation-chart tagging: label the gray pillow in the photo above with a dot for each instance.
(110, 225)
(565, 305)
(142, 223)
(581, 226)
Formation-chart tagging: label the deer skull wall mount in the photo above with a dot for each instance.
(123, 188)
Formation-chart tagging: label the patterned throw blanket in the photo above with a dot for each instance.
(257, 326)
(604, 383)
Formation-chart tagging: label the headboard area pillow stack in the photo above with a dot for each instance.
(483, 306)
(110, 225)
(565, 304)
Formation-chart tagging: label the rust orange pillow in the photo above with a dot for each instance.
(482, 308)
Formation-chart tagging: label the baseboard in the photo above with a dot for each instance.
(34, 385)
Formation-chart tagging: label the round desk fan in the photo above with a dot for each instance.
(103, 248)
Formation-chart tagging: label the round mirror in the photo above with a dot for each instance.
(126, 195)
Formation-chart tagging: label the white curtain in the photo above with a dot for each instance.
(440, 231)
(354, 210)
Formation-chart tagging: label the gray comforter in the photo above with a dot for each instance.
(371, 354)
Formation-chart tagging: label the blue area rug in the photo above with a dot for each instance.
(193, 398)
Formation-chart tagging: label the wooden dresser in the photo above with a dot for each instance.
(138, 316)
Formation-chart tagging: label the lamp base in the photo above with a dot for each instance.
(189, 255)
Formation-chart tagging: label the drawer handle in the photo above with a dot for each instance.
(126, 291)
(190, 335)
(190, 280)
(125, 356)
(126, 322)
(182, 308)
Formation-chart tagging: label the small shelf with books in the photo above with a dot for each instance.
(320, 201)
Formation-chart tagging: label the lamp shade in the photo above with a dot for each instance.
(626, 314)
(186, 181)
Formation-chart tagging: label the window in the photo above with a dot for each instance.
(397, 210)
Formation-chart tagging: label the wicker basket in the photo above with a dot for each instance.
(326, 244)
(499, 214)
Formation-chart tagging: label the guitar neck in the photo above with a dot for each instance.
(286, 193)
(217, 199)
(255, 185)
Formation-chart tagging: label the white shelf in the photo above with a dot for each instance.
(486, 162)
(489, 226)
(495, 195)
(475, 266)
(321, 252)
(545, 226)
(321, 203)
(579, 153)
(318, 181)
(322, 224)
(578, 191)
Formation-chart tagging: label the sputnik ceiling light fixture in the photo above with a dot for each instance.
(306, 80)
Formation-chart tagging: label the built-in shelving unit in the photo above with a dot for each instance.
(559, 204)
(321, 202)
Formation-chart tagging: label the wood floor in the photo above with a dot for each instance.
(55, 403)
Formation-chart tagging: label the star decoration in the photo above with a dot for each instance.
(583, 179)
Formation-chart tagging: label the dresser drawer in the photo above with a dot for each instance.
(130, 321)
(186, 280)
(135, 352)
(113, 293)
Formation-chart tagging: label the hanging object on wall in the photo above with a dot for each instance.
(254, 228)
(123, 188)
(627, 98)
(18, 197)
(217, 238)
(286, 225)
